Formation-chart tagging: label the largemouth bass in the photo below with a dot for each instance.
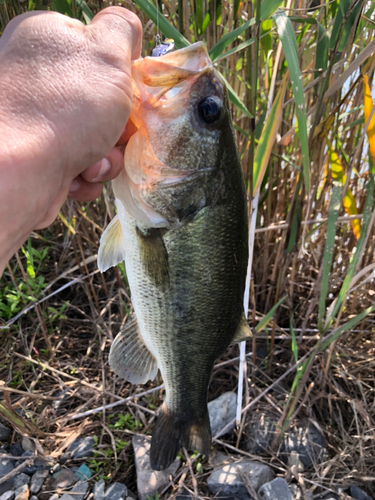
(182, 229)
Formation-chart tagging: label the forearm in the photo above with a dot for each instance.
(23, 170)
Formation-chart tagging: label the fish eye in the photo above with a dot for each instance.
(209, 109)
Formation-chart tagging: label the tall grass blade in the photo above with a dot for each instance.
(344, 328)
(368, 105)
(268, 7)
(267, 318)
(227, 39)
(63, 7)
(165, 27)
(367, 214)
(337, 173)
(268, 137)
(286, 33)
(86, 11)
(333, 213)
(199, 15)
(235, 99)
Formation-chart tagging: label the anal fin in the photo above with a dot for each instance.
(243, 331)
(129, 357)
(112, 246)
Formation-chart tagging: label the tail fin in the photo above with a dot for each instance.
(171, 433)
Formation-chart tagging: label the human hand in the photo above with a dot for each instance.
(66, 96)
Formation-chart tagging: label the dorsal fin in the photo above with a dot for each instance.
(243, 331)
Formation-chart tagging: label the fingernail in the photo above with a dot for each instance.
(105, 167)
(74, 186)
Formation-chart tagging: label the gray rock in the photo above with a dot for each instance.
(277, 489)
(149, 481)
(28, 444)
(302, 437)
(64, 479)
(33, 497)
(22, 493)
(82, 447)
(79, 490)
(37, 480)
(359, 494)
(6, 466)
(20, 480)
(261, 434)
(116, 491)
(8, 495)
(16, 450)
(131, 495)
(65, 496)
(226, 481)
(4, 487)
(99, 490)
(222, 410)
(4, 432)
(54, 497)
(37, 465)
(216, 458)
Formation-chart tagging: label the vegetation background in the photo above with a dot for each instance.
(299, 76)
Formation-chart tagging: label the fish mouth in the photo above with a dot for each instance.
(161, 89)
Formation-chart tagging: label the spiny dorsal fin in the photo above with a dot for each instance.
(112, 246)
(243, 331)
(129, 358)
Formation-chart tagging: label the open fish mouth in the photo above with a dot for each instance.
(162, 89)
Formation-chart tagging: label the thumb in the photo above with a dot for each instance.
(121, 27)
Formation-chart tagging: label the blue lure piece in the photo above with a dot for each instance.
(163, 47)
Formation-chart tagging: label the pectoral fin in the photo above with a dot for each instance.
(154, 257)
(243, 331)
(112, 246)
(129, 357)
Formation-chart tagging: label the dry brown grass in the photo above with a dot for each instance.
(64, 354)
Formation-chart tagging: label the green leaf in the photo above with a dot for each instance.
(322, 44)
(268, 137)
(86, 11)
(241, 46)
(199, 15)
(268, 7)
(227, 39)
(286, 33)
(264, 321)
(294, 342)
(206, 22)
(334, 208)
(235, 99)
(367, 212)
(339, 20)
(165, 27)
(350, 324)
(236, 6)
(63, 7)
